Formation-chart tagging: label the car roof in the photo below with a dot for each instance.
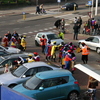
(53, 73)
(46, 32)
(36, 64)
(15, 55)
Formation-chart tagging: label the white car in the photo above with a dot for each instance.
(49, 36)
(92, 42)
(10, 49)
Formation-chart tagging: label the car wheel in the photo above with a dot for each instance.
(36, 43)
(12, 85)
(98, 50)
(72, 96)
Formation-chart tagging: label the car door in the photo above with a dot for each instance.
(29, 73)
(89, 42)
(50, 90)
(95, 43)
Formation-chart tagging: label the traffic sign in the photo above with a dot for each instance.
(89, 3)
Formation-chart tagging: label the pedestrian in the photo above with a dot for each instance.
(20, 61)
(58, 23)
(79, 22)
(9, 35)
(92, 24)
(61, 35)
(7, 69)
(43, 43)
(30, 58)
(37, 9)
(41, 8)
(75, 20)
(92, 84)
(53, 51)
(23, 42)
(76, 29)
(15, 34)
(95, 28)
(36, 56)
(5, 41)
(48, 50)
(68, 59)
(62, 24)
(85, 52)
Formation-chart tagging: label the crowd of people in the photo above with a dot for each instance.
(14, 40)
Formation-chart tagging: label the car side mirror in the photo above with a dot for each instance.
(41, 88)
(23, 76)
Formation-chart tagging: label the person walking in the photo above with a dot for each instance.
(43, 43)
(85, 53)
(30, 58)
(36, 56)
(53, 51)
(92, 84)
(80, 23)
(37, 9)
(61, 35)
(76, 29)
(23, 42)
(95, 28)
(48, 51)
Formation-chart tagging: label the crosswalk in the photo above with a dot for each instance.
(70, 16)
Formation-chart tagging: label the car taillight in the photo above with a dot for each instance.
(76, 82)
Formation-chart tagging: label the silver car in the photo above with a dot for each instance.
(92, 42)
(49, 36)
(10, 49)
(9, 59)
(23, 73)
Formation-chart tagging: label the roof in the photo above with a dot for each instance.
(49, 32)
(53, 73)
(89, 70)
(35, 64)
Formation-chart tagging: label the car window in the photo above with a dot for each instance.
(2, 53)
(54, 82)
(90, 39)
(67, 4)
(95, 40)
(44, 68)
(19, 71)
(52, 36)
(31, 72)
(40, 35)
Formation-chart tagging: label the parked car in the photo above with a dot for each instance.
(3, 53)
(23, 73)
(69, 6)
(10, 49)
(49, 36)
(9, 59)
(92, 42)
(50, 85)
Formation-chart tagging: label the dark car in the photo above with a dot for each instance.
(69, 6)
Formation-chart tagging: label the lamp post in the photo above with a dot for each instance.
(92, 9)
(96, 8)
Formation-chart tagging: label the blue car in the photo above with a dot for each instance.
(50, 85)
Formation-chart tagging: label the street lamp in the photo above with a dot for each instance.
(92, 8)
(96, 8)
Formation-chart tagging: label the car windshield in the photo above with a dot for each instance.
(52, 36)
(32, 83)
(1, 59)
(67, 4)
(19, 71)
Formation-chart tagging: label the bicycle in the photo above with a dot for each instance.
(87, 95)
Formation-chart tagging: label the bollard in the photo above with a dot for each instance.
(24, 16)
(74, 7)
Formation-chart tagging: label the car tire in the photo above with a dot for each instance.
(12, 85)
(36, 43)
(98, 50)
(73, 95)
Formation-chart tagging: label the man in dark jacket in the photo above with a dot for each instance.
(76, 30)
